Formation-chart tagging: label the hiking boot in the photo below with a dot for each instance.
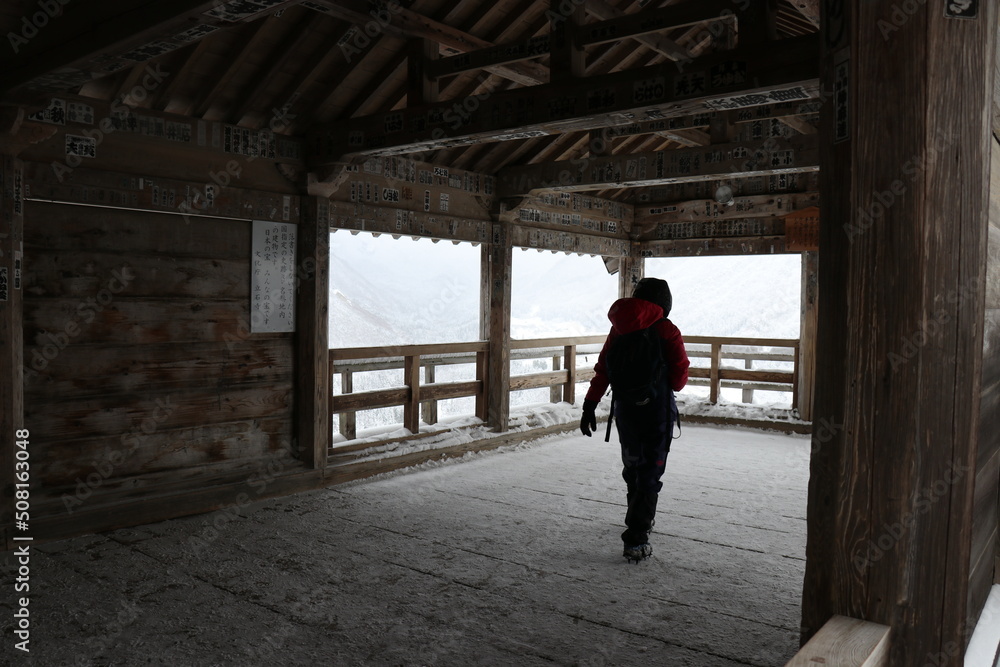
(637, 552)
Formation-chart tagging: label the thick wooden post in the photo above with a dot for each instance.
(807, 334)
(500, 259)
(11, 338)
(903, 238)
(314, 382)
(748, 393)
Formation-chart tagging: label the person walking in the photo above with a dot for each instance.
(644, 361)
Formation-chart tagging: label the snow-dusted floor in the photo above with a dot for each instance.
(509, 558)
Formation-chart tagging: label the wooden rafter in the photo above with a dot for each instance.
(248, 41)
(91, 41)
(808, 8)
(407, 24)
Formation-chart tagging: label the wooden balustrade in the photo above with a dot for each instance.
(420, 397)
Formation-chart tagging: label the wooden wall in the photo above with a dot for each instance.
(140, 367)
(986, 538)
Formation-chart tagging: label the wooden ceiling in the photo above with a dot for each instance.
(294, 66)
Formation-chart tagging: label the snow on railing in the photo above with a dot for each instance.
(419, 396)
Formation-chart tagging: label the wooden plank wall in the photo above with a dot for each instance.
(140, 366)
(986, 538)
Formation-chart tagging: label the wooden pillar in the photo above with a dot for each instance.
(313, 382)
(11, 340)
(498, 394)
(567, 58)
(905, 165)
(807, 334)
(421, 89)
(757, 21)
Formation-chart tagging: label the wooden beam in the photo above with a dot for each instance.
(649, 21)
(313, 381)
(747, 245)
(846, 642)
(756, 22)
(501, 275)
(631, 270)
(707, 210)
(11, 341)
(411, 408)
(780, 72)
(396, 20)
(739, 160)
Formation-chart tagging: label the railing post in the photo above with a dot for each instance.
(348, 420)
(748, 393)
(411, 378)
(569, 390)
(713, 391)
(555, 391)
(430, 408)
(482, 376)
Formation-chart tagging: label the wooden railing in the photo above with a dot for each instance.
(419, 396)
(717, 376)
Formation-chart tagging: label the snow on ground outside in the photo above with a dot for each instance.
(509, 558)
(982, 649)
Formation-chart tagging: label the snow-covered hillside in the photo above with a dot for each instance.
(387, 291)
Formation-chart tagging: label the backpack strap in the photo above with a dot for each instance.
(611, 417)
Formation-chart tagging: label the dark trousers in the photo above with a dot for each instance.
(645, 433)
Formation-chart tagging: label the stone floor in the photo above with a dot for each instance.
(508, 558)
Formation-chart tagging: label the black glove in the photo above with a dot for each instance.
(588, 422)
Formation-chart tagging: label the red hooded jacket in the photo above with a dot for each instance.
(629, 315)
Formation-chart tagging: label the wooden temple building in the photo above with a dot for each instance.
(158, 158)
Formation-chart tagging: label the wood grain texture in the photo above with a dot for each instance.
(846, 642)
(501, 279)
(898, 375)
(313, 382)
(11, 339)
(142, 368)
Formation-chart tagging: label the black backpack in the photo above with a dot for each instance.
(636, 367)
(637, 371)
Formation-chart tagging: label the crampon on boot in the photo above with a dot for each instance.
(637, 552)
